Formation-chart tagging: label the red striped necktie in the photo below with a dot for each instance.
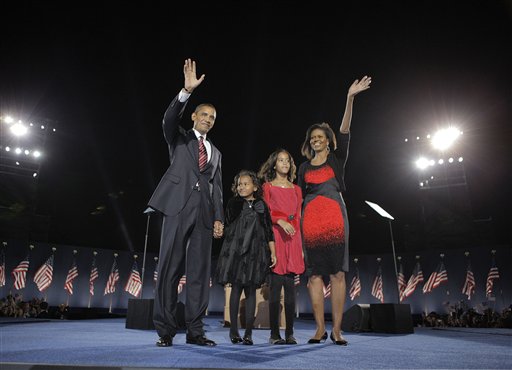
(203, 156)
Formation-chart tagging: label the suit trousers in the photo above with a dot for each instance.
(185, 248)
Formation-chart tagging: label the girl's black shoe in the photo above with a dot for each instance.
(248, 340)
(316, 341)
(235, 339)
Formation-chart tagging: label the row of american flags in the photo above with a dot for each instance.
(407, 287)
(44, 275)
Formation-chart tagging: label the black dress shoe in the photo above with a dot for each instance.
(248, 340)
(235, 339)
(291, 340)
(200, 340)
(316, 341)
(276, 341)
(341, 342)
(165, 341)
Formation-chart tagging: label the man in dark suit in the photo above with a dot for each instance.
(189, 196)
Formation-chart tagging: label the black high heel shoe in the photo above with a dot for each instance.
(341, 342)
(316, 341)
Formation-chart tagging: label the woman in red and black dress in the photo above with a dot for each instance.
(324, 215)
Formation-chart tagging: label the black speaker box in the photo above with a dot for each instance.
(140, 314)
(391, 318)
(356, 318)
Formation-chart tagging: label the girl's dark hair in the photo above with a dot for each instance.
(258, 193)
(268, 171)
(306, 150)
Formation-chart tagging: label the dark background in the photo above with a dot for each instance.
(103, 75)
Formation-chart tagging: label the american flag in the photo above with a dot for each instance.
(72, 275)
(2, 269)
(43, 277)
(401, 282)
(438, 276)
(182, 283)
(20, 274)
(327, 290)
(377, 288)
(296, 280)
(112, 279)
(491, 276)
(355, 286)
(442, 275)
(155, 273)
(469, 285)
(134, 283)
(93, 276)
(414, 280)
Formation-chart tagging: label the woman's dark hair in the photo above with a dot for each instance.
(268, 169)
(258, 193)
(306, 149)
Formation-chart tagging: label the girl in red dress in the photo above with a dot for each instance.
(284, 200)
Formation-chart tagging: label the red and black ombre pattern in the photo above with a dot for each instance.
(320, 175)
(323, 223)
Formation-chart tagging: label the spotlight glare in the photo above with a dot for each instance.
(406, 140)
(444, 138)
(8, 119)
(19, 129)
(27, 152)
(36, 153)
(441, 161)
(7, 148)
(34, 174)
(17, 150)
(450, 160)
(422, 163)
(461, 159)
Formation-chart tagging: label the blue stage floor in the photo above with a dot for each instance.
(106, 343)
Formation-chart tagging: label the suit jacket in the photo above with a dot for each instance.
(183, 174)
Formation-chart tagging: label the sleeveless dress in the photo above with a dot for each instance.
(324, 221)
(244, 258)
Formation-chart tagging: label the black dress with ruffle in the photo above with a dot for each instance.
(245, 256)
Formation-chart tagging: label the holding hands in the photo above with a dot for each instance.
(218, 229)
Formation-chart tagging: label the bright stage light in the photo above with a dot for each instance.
(36, 153)
(422, 163)
(17, 151)
(8, 119)
(443, 139)
(19, 129)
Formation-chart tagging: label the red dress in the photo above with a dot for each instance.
(285, 204)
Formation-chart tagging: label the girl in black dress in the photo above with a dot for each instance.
(248, 250)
